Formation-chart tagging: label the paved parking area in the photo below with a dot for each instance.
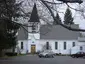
(34, 59)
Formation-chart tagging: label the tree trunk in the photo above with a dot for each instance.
(13, 50)
(2, 53)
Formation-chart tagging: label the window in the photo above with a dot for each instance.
(47, 45)
(64, 45)
(81, 48)
(33, 27)
(32, 41)
(73, 44)
(21, 45)
(56, 45)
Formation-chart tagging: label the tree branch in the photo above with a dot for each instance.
(65, 26)
(73, 8)
(52, 3)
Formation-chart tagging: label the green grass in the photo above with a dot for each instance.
(13, 56)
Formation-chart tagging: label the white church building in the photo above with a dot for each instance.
(56, 37)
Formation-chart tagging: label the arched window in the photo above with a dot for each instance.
(47, 45)
(21, 45)
(81, 48)
(56, 45)
(64, 45)
(73, 44)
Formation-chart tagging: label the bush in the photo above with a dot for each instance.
(11, 54)
(58, 54)
(38, 52)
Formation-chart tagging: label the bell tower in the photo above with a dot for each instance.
(34, 24)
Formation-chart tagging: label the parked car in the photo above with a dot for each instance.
(46, 54)
(78, 54)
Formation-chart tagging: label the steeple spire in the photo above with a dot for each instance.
(34, 15)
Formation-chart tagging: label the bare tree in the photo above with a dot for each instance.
(46, 11)
(44, 47)
(49, 10)
(65, 26)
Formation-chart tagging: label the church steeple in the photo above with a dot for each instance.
(34, 15)
(34, 21)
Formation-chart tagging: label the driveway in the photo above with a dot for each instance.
(34, 59)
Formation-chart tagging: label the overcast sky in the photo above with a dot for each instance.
(78, 19)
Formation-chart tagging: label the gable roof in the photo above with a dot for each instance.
(58, 32)
(34, 15)
(22, 33)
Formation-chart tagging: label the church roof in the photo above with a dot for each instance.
(34, 15)
(22, 33)
(58, 32)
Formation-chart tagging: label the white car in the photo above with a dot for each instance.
(46, 53)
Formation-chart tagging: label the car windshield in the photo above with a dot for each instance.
(47, 51)
(80, 52)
